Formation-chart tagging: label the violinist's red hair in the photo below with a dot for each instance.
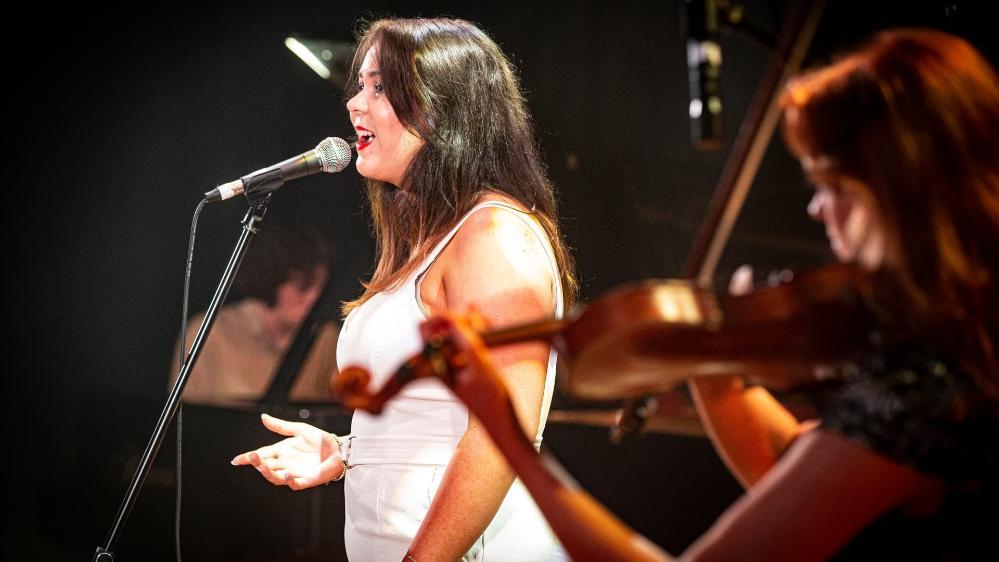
(914, 118)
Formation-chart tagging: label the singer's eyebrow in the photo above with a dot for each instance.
(369, 74)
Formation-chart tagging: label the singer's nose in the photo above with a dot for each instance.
(356, 104)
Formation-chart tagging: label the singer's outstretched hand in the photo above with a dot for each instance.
(308, 457)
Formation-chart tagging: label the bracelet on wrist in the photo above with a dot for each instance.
(339, 445)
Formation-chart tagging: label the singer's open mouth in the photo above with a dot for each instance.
(364, 139)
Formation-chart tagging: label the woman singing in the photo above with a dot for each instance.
(464, 217)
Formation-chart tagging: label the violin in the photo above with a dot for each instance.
(646, 338)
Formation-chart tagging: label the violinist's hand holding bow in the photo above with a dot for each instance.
(472, 375)
(308, 457)
(587, 530)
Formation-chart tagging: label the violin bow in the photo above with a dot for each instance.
(737, 176)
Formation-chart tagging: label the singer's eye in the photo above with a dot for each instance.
(378, 87)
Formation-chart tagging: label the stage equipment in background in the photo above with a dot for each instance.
(329, 59)
(704, 62)
(703, 21)
(740, 168)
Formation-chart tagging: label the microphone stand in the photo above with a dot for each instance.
(254, 215)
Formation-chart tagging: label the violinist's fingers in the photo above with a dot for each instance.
(435, 326)
(476, 320)
(448, 327)
(742, 281)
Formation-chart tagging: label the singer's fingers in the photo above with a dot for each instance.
(257, 456)
(301, 483)
(277, 478)
(273, 464)
(280, 426)
(241, 459)
(263, 453)
(299, 479)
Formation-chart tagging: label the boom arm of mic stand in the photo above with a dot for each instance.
(254, 216)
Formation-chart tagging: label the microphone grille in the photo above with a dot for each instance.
(335, 154)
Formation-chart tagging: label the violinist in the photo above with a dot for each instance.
(901, 141)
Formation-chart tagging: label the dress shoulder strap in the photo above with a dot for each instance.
(524, 216)
(436, 252)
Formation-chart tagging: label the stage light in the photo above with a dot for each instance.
(329, 59)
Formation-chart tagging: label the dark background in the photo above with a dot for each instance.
(123, 116)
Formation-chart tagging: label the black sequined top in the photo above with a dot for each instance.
(914, 408)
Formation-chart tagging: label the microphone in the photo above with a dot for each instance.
(704, 61)
(330, 156)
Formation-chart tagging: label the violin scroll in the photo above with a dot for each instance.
(439, 359)
(350, 386)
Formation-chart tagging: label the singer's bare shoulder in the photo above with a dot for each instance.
(499, 264)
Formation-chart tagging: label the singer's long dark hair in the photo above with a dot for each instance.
(923, 140)
(451, 86)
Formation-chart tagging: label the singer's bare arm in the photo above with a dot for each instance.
(496, 265)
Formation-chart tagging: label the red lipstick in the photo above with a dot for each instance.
(364, 138)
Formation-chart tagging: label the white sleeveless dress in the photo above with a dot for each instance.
(398, 458)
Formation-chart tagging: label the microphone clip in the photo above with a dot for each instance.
(262, 184)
